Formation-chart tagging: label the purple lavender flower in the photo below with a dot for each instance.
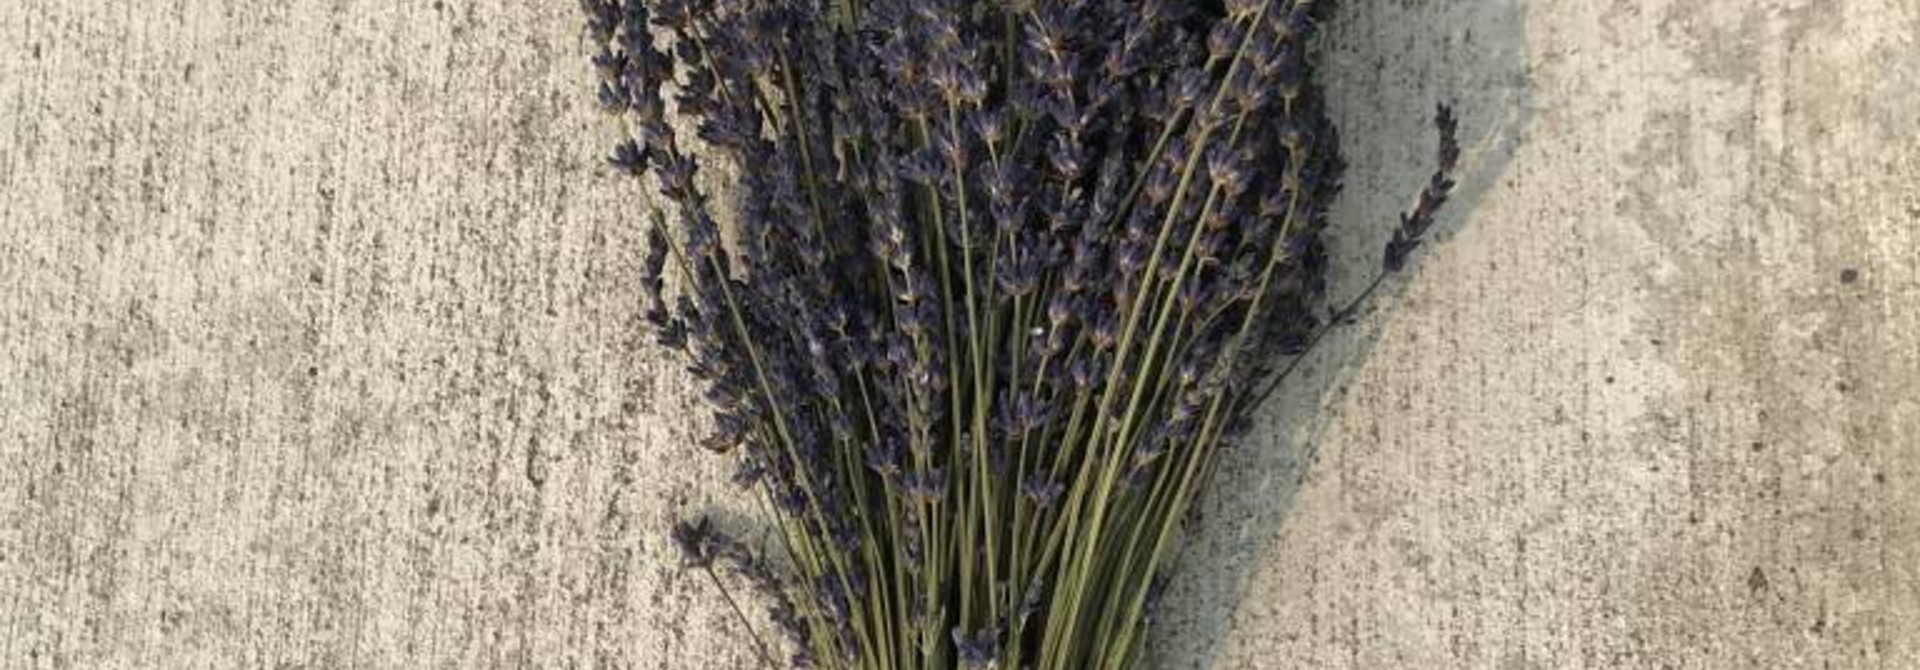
(991, 275)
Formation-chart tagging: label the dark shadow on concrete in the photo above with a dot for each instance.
(1385, 64)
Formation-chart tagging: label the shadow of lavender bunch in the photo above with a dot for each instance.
(1381, 63)
(1001, 282)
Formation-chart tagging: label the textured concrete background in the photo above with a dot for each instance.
(319, 349)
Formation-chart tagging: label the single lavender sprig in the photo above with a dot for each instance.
(701, 546)
(1407, 237)
(1415, 222)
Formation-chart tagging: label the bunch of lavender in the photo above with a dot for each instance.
(1000, 282)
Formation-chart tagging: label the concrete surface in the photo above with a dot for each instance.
(319, 349)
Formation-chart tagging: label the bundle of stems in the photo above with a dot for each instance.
(999, 282)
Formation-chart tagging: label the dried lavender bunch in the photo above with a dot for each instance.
(1000, 281)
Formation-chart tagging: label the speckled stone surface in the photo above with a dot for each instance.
(319, 348)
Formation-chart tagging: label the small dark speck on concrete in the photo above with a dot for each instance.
(313, 371)
(1879, 478)
(1849, 276)
(1609, 379)
(1842, 387)
(36, 52)
(438, 5)
(315, 277)
(1759, 447)
(1757, 580)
